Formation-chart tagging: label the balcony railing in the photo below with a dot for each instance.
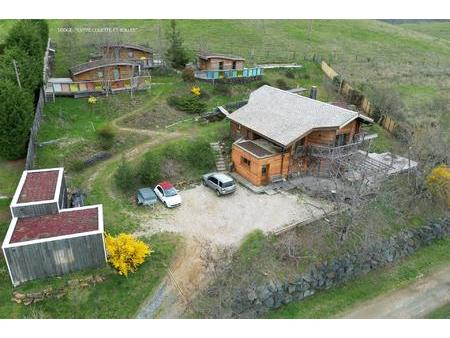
(228, 74)
(334, 152)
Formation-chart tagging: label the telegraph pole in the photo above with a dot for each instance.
(17, 73)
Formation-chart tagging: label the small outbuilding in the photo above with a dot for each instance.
(128, 52)
(216, 61)
(47, 239)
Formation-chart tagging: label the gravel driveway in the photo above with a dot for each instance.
(226, 220)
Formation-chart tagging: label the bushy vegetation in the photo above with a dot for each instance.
(438, 181)
(125, 177)
(280, 83)
(21, 64)
(16, 107)
(188, 75)
(189, 103)
(222, 89)
(176, 53)
(188, 159)
(106, 136)
(126, 253)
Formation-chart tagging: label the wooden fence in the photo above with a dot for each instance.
(346, 89)
(32, 142)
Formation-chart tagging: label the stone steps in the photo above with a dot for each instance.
(221, 164)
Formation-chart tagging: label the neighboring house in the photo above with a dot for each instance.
(99, 76)
(215, 66)
(44, 237)
(280, 134)
(128, 52)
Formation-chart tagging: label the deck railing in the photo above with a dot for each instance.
(97, 86)
(333, 152)
(228, 74)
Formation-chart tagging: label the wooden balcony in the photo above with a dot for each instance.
(335, 152)
(228, 74)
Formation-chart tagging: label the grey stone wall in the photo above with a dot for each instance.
(257, 300)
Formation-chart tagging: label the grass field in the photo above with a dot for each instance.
(440, 30)
(441, 313)
(333, 302)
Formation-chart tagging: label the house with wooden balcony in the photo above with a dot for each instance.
(142, 55)
(225, 68)
(98, 77)
(279, 135)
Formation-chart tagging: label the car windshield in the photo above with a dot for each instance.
(170, 192)
(227, 184)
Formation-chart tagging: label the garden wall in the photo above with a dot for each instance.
(259, 299)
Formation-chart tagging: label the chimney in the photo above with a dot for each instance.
(313, 93)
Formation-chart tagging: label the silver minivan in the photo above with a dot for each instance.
(221, 183)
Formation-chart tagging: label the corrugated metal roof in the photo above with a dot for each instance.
(284, 117)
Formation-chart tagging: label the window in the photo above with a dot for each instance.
(341, 139)
(130, 54)
(213, 180)
(160, 190)
(221, 65)
(264, 169)
(234, 64)
(100, 75)
(245, 161)
(116, 73)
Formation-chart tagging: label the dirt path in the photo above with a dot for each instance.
(414, 301)
(187, 274)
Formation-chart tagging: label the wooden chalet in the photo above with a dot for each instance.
(99, 77)
(129, 52)
(222, 67)
(45, 238)
(279, 134)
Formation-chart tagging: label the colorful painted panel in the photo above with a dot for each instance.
(65, 88)
(90, 86)
(83, 87)
(57, 87)
(74, 87)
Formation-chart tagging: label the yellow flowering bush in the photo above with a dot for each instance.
(125, 252)
(92, 100)
(196, 91)
(438, 181)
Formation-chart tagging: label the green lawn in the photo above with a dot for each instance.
(333, 302)
(116, 297)
(440, 30)
(441, 313)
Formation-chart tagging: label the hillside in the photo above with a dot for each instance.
(364, 51)
(440, 30)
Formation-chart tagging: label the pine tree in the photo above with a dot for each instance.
(16, 117)
(176, 53)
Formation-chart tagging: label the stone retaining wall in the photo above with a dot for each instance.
(257, 300)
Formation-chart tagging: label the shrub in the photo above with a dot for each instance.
(126, 253)
(222, 89)
(290, 73)
(280, 83)
(124, 176)
(188, 75)
(76, 165)
(189, 103)
(149, 171)
(176, 53)
(16, 118)
(106, 136)
(438, 182)
(196, 91)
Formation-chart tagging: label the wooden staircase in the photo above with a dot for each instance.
(221, 164)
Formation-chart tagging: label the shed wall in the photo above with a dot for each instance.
(125, 72)
(54, 258)
(213, 64)
(35, 209)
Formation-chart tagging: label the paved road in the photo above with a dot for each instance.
(413, 301)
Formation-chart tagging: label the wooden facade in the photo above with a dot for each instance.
(45, 238)
(220, 63)
(55, 257)
(126, 52)
(110, 72)
(287, 161)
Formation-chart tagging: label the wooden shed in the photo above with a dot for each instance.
(55, 243)
(215, 61)
(129, 52)
(39, 192)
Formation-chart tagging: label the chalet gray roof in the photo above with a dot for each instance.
(207, 55)
(97, 64)
(284, 117)
(129, 45)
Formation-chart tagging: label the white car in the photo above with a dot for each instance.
(168, 194)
